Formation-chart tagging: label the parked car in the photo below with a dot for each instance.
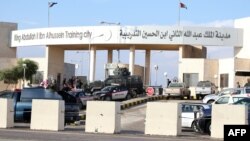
(229, 98)
(177, 90)
(112, 93)
(204, 88)
(189, 111)
(244, 101)
(81, 97)
(23, 102)
(203, 123)
(212, 97)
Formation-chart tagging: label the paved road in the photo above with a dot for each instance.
(132, 125)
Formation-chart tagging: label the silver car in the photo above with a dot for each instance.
(212, 97)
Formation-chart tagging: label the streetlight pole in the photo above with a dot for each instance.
(90, 39)
(50, 4)
(156, 69)
(24, 75)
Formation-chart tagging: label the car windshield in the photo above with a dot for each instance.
(244, 101)
(108, 88)
(204, 84)
(177, 85)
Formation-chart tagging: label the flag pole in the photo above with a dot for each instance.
(48, 12)
(50, 4)
(179, 13)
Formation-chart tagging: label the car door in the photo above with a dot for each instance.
(123, 92)
(116, 93)
(187, 115)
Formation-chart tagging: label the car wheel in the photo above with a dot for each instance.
(107, 98)
(128, 97)
(210, 101)
(195, 127)
(208, 128)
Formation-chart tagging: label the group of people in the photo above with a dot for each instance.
(72, 83)
(246, 84)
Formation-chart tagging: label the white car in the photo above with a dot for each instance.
(188, 113)
(212, 97)
(229, 99)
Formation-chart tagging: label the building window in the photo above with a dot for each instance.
(223, 80)
(190, 79)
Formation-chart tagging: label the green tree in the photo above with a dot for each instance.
(11, 76)
(30, 69)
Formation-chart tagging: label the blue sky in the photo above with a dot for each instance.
(34, 14)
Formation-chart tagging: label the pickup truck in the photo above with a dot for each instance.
(23, 102)
(177, 90)
(204, 88)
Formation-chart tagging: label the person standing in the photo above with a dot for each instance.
(248, 83)
(238, 84)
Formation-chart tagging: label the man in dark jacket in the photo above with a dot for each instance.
(248, 83)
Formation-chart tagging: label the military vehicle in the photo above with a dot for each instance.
(121, 77)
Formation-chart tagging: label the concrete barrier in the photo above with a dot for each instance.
(225, 115)
(103, 117)
(47, 115)
(6, 113)
(163, 119)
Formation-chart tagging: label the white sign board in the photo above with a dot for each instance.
(128, 35)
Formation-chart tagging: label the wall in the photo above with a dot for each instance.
(242, 65)
(194, 52)
(192, 66)
(7, 54)
(227, 66)
(211, 70)
(243, 52)
(5, 40)
(55, 57)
